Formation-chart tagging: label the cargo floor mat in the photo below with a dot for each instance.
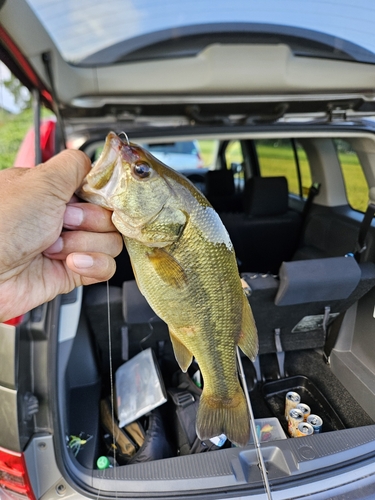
(311, 365)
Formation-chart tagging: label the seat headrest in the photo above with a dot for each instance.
(266, 196)
(220, 183)
(317, 280)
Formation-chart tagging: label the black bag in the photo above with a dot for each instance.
(185, 397)
(141, 441)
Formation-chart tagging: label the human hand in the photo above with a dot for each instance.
(37, 260)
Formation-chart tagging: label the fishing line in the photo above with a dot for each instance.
(261, 464)
(111, 384)
(112, 396)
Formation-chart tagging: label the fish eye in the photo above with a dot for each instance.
(142, 170)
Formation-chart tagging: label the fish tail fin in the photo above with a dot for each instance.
(228, 416)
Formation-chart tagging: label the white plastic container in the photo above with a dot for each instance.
(268, 429)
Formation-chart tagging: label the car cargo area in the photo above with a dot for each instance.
(166, 460)
(312, 302)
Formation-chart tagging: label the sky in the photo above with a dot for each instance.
(6, 98)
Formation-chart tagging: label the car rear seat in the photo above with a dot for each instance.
(221, 191)
(267, 233)
(293, 311)
(326, 234)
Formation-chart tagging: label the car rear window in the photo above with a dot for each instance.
(85, 30)
(357, 189)
(188, 148)
(285, 157)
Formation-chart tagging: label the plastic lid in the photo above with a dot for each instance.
(103, 463)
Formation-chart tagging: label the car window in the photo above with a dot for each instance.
(209, 152)
(82, 32)
(188, 147)
(234, 160)
(357, 189)
(285, 157)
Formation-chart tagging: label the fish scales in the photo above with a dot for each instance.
(185, 266)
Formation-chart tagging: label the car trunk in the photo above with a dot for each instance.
(87, 358)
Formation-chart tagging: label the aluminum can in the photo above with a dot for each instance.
(316, 422)
(305, 409)
(292, 399)
(295, 418)
(304, 429)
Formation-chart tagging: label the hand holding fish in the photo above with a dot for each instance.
(185, 266)
(37, 260)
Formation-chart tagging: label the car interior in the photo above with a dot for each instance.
(311, 289)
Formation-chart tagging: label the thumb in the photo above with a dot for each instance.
(66, 172)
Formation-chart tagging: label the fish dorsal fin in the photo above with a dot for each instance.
(182, 354)
(167, 268)
(248, 340)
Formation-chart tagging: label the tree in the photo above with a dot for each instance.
(22, 96)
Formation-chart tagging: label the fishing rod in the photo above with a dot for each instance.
(261, 464)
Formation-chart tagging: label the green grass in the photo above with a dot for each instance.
(13, 129)
(356, 185)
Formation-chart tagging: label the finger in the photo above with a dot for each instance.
(88, 217)
(83, 242)
(92, 267)
(65, 172)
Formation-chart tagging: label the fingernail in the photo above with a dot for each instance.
(55, 247)
(82, 261)
(73, 216)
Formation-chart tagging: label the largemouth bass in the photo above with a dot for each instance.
(185, 266)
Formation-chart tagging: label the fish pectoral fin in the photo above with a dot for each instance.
(248, 339)
(167, 267)
(182, 353)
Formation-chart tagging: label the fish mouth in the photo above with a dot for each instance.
(99, 182)
(103, 168)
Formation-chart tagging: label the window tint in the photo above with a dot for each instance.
(283, 158)
(357, 190)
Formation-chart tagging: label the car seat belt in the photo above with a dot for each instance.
(313, 191)
(363, 230)
(333, 333)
